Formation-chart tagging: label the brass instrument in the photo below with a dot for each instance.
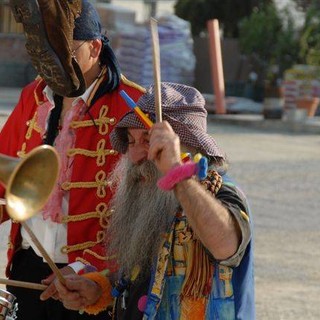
(29, 181)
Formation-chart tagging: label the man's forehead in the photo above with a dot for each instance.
(137, 132)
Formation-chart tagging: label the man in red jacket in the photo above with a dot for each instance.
(71, 225)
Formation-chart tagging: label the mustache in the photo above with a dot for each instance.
(146, 172)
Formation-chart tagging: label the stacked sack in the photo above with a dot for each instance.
(176, 52)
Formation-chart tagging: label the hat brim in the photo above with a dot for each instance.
(189, 135)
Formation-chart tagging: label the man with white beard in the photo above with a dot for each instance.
(183, 246)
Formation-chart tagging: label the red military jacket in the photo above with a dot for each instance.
(94, 157)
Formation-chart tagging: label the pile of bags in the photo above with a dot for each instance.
(177, 58)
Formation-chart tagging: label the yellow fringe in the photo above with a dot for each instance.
(105, 299)
(198, 272)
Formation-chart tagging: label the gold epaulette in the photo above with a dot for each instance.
(132, 84)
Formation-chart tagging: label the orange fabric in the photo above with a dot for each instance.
(192, 308)
(106, 298)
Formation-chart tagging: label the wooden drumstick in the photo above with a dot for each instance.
(156, 68)
(23, 284)
(44, 253)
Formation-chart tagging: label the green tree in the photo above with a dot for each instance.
(303, 5)
(228, 12)
(271, 40)
(310, 36)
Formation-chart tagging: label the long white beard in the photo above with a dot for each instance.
(142, 214)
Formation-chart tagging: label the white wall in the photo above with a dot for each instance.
(163, 6)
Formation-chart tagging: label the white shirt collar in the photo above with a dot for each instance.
(47, 91)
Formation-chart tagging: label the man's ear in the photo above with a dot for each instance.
(96, 48)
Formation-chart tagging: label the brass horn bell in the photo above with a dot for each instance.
(29, 181)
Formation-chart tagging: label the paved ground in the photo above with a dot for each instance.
(279, 171)
(280, 174)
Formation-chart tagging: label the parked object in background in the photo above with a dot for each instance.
(310, 104)
(301, 83)
(273, 102)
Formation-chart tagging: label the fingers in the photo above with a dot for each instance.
(73, 301)
(49, 279)
(51, 291)
(164, 146)
(78, 292)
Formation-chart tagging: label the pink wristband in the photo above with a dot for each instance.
(176, 175)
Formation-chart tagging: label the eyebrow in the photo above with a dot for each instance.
(145, 133)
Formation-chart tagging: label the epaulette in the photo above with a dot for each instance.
(132, 84)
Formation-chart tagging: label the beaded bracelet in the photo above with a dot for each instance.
(183, 172)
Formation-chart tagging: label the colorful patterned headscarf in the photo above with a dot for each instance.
(183, 107)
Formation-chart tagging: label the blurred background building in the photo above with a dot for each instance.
(260, 41)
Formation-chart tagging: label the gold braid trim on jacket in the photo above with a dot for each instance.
(84, 245)
(102, 122)
(102, 213)
(101, 184)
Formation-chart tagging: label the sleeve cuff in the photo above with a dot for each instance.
(244, 223)
(77, 266)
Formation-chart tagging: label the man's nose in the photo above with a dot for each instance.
(139, 153)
